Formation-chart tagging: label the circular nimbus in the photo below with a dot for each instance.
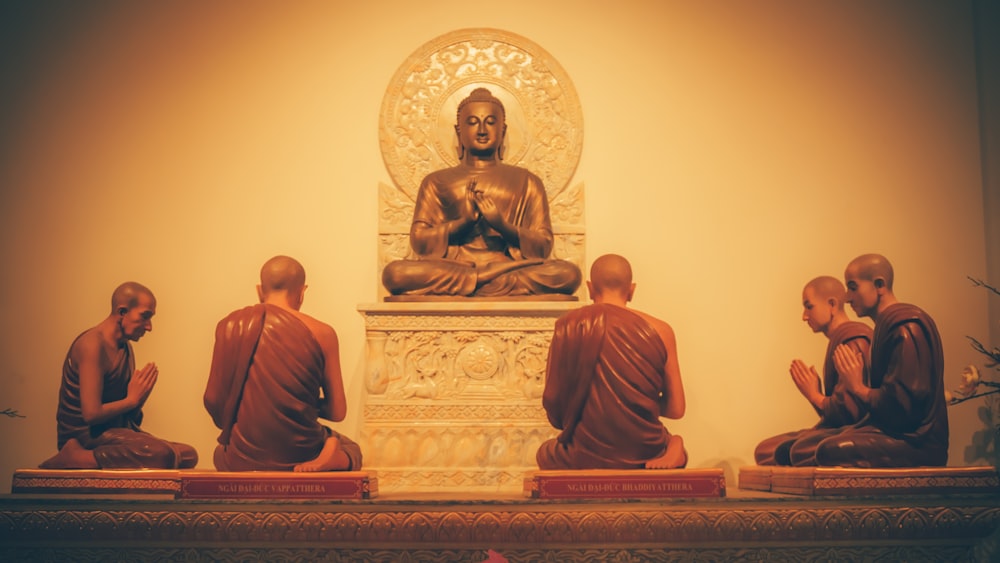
(544, 118)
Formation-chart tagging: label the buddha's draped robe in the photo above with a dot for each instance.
(907, 422)
(118, 443)
(264, 392)
(447, 264)
(841, 407)
(605, 374)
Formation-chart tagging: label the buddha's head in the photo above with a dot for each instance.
(481, 125)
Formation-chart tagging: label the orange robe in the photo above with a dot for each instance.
(119, 443)
(606, 372)
(264, 392)
(841, 409)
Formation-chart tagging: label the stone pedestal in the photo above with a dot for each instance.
(454, 392)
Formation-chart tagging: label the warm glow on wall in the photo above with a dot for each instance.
(731, 151)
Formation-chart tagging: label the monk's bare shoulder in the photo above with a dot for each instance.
(324, 333)
(662, 328)
(89, 347)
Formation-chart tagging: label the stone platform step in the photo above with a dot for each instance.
(196, 484)
(850, 481)
(742, 526)
(625, 484)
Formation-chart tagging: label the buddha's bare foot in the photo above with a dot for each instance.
(72, 456)
(493, 270)
(673, 457)
(330, 458)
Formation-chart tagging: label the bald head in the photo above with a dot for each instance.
(282, 274)
(825, 288)
(871, 267)
(610, 274)
(127, 295)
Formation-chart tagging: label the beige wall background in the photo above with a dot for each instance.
(732, 151)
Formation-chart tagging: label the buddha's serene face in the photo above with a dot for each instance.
(481, 127)
(816, 311)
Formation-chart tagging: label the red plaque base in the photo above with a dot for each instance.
(332, 485)
(625, 484)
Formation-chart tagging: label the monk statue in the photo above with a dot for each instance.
(102, 394)
(823, 311)
(612, 372)
(482, 228)
(907, 421)
(275, 372)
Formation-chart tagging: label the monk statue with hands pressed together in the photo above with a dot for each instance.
(907, 421)
(823, 310)
(276, 372)
(612, 372)
(102, 394)
(481, 228)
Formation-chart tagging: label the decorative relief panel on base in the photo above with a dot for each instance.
(761, 528)
(454, 392)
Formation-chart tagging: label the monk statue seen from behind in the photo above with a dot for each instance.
(481, 228)
(102, 394)
(275, 372)
(612, 372)
(823, 311)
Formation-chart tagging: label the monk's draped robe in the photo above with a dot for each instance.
(447, 264)
(605, 374)
(840, 409)
(264, 392)
(118, 443)
(907, 422)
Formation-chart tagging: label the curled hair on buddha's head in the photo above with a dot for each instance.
(481, 95)
(126, 296)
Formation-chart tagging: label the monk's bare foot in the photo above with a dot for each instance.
(72, 456)
(673, 457)
(331, 458)
(493, 270)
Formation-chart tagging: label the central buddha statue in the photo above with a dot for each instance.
(481, 228)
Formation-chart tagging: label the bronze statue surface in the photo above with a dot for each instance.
(612, 372)
(907, 422)
(481, 228)
(823, 311)
(275, 372)
(102, 394)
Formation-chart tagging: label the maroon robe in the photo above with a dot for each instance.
(118, 443)
(907, 424)
(605, 376)
(841, 409)
(264, 392)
